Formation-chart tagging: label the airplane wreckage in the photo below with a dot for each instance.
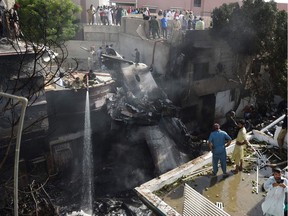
(129, 95)
(140, 104)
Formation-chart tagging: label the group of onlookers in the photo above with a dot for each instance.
(109, 15)
(170, 23)
(105, 15)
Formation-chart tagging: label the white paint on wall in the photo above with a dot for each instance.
(223, 105)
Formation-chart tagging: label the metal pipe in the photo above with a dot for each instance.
(273, 123)
(24, 102)
(257, 179)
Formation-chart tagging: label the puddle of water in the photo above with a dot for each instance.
(236, 192)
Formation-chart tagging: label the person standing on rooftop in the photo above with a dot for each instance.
(218, 141)
(164, 26)
(241, 141)
(137, 56)
(91, 11)
(200, 25)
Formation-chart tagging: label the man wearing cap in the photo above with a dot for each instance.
(241, 141)
(218, 141)
(276, 185)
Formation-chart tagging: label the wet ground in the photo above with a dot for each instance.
(237, 192)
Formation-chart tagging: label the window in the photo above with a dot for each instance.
(201, 71)
(152, 9)
(197, 3)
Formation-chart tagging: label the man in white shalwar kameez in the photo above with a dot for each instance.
(276, 185)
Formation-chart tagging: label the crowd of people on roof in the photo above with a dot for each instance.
(165, 24)
(169, 23)
(105, 15)
(166, 19)
(9, 20)
(109, 15)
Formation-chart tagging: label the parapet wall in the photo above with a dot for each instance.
(103, 33)
(130, 25)
(124, 39)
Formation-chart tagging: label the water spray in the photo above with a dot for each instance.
(87, 81)
(87, 163)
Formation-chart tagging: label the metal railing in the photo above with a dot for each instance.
(24, 102)
(196, 204)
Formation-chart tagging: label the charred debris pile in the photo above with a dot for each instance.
(138, 101)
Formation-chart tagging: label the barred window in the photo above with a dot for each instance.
(197, 3)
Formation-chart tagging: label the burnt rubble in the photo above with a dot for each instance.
(125, 107)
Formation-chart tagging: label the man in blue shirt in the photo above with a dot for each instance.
(218, 141)
(164, 26)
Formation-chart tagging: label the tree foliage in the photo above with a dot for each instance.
(45, 25)
(256, 29)
(43, 20)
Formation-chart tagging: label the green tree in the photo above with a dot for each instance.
(256, 32)
(43, 20)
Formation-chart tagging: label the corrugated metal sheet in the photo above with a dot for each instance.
(196, 204)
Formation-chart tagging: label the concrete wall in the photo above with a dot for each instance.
(103, 33)
(201, 47)
(223, 98)
(130, 25)
(124, 39)
(76, 52)
(94, 36)
(161, 57)
(129, 40)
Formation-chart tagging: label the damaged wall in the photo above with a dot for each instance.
(208, 61)
(161, 56)
(201, 81)
(226, 98)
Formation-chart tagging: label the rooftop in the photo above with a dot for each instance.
(239, 194)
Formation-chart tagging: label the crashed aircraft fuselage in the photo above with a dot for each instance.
(138, 101)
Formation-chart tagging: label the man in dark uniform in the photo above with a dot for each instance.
(91, 78)
(137, 56)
